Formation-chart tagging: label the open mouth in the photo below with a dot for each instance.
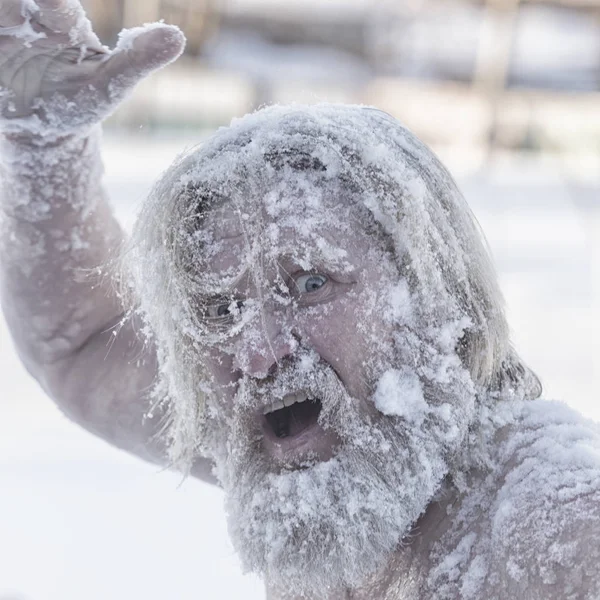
(293, 414)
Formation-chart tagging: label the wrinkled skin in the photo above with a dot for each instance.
(415, 482)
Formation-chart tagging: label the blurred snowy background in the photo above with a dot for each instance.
(508, 94)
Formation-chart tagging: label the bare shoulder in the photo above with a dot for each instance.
(530, 529)
(545, 519)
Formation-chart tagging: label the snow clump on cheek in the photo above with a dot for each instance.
(399, 393)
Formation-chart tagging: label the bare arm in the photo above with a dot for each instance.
(57, 82)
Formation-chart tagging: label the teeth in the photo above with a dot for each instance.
(287, 400)
(277, 405)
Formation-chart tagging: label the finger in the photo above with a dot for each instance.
(68, 17)
(52, 4)
(59, 13)
(12, 13)
(142, 50)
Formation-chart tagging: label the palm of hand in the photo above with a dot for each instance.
(55, 75)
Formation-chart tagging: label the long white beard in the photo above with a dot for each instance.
(333, 524)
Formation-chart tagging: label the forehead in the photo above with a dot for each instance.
(303, 229)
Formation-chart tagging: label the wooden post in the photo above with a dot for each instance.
(106, 17)
(493, 54)
(137, 13)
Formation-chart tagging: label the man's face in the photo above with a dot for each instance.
(305, 352)
(320, 303)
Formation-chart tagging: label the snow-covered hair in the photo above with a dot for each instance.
(403, 194)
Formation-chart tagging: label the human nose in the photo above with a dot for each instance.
(259, 352)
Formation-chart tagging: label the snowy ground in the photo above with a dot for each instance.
(81, 521)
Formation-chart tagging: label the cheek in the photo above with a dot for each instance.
(219, 367)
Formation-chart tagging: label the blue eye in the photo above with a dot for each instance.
(225, 310)
(310, 283)
(222, 310)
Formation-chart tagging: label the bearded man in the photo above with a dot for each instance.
(313, 319)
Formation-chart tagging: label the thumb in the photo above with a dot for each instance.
(140, 51)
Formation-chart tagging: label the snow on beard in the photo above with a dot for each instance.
(337, 520)
(332, 524)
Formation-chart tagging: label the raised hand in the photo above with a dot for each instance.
(56, 78)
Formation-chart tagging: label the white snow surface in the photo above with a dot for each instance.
(132, 521)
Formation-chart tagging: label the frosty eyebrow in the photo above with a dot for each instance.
(235, 288)
(289, 265)
(221, 298)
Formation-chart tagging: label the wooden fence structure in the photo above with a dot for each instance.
(501, 115)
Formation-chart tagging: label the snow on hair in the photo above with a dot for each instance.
(404, 194)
